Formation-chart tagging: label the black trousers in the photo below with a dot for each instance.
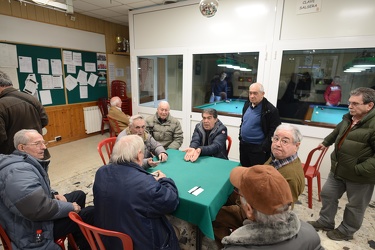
(65, 226)
(252, 154)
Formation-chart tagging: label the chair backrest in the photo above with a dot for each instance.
(93, 234)
(229, 139)
(118, 88)
(5, 239)
(103, 106)
(115, 128)
(318, 161)
(107, 144)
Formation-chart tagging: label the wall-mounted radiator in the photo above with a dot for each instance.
(93, 119)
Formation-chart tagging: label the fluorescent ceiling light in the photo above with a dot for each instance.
(51, 4)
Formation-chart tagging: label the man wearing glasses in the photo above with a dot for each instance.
(352, 169)
(27, 202)
(137, 126)
(284, 158)
(259, 120)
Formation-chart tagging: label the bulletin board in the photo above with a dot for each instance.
(87, 73)
(44, 72)
(35, 53)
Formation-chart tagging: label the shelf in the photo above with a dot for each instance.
(121, 53)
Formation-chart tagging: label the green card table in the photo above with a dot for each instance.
(209, 173)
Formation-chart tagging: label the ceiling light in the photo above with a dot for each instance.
(50, 4)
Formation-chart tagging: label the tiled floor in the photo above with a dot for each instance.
(73, 166)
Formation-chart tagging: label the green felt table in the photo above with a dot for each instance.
(211, 174)
(230, 108)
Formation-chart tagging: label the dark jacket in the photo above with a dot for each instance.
(18, 111)
(355, 159)
(216, 140)
(129, 200)
(270, 120)
(26, 202)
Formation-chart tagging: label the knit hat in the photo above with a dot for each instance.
(263, 187)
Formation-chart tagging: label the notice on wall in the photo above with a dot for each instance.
(308, 6)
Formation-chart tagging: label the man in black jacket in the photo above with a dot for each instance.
(18, 111)
(259, 121)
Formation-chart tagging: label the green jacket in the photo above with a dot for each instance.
(169, 134)
(355, 159)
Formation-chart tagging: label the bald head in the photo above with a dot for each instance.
(163, 110)
(116, 101)
(256, 93)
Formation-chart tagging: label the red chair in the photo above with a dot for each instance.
(229, 139)
(103, 106)
(107, 144)
(312, 170)
(61, 242)
(93, 234)
(118, 88)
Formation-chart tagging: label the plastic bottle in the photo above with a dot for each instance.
(38, 236)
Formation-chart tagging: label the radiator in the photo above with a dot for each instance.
(93, 119)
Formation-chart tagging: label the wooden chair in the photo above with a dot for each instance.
(312, 170)
(61, 241)
(115, 128)
(107, 144)
(103, 107)
(93, 234)
(229, 139)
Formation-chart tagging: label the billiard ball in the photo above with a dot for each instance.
(236, 107)
(316, 112)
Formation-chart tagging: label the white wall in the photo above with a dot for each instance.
(267, 26)
(36, 33)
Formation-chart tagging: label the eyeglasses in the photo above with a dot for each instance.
(283, 141)
(38, 143)
(355, 104)
(140, 127)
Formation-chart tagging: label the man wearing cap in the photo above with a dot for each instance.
(270, 224)
(285, 143)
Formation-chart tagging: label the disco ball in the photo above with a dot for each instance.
(208, 8)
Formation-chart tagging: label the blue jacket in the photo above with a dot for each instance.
(216, 140)
(129, 200)
(26, 203)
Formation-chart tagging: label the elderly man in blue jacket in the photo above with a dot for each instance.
(128, 199)
(27, 202)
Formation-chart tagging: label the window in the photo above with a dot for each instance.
(306, 75)
(240, 71)
(160, 78)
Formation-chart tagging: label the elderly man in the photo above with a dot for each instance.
(209, 138)
(137, 126)
(269, 224)
(259, 120)
(116, 113)
(130, 200)
(27, 202)
(352, 169)
(18, 111)
(165, 128)
(285, 143)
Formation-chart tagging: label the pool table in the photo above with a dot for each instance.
(228, 108)
(324, 116)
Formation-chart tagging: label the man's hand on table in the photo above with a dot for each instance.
(192, 154)
(163, 157)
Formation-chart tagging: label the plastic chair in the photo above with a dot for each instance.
(103, 107)
(61, 241)
(118, 88)
(312, 170)
(107, 144)
(93, 234)
(115, 128)
(229, 139)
